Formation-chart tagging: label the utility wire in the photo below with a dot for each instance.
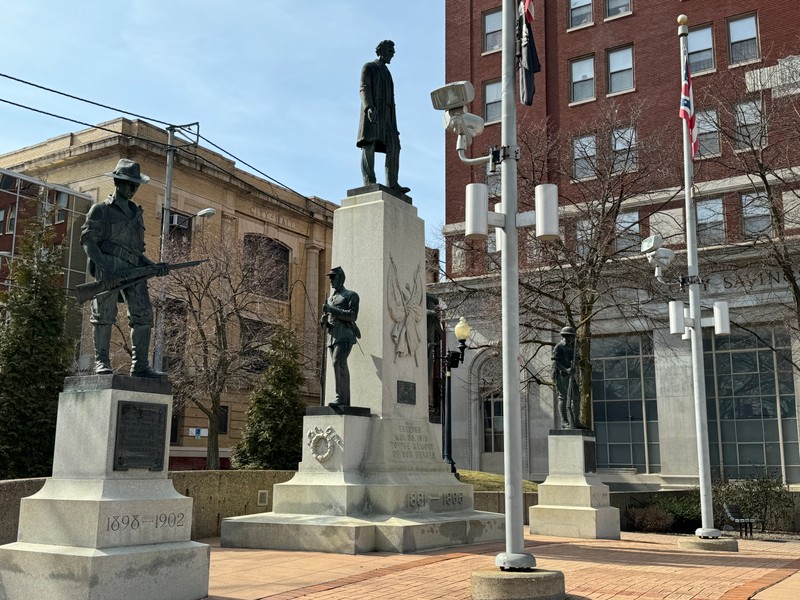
(145, 118)
(47, 89)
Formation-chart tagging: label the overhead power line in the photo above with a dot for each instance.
(146, 118)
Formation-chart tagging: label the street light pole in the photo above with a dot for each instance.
(452, 359)
(515, 556)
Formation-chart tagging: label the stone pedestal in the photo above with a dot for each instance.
(372, 476)
(108, 521)
(573, 502)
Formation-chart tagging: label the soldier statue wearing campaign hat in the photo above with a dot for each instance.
(113, 238)
(339, 319)
(565, 374)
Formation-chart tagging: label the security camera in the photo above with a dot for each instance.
(660, 258)
(453, 99)
(465, 124)
(654, 242)
(453, 95)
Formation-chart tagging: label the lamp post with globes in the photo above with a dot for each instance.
(452, 359)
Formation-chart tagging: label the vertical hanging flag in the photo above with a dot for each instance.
(529, 59)
(687, 108)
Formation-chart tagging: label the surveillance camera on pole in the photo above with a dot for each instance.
(453, 99)
(658, 257)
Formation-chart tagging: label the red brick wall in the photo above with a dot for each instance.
(652, 30)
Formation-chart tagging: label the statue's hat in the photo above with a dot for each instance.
(568, 331)
(129, 171)
(336, 271)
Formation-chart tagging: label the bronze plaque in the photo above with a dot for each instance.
(406, 392)
(141, 434)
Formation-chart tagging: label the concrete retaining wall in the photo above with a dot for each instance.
(220, 494)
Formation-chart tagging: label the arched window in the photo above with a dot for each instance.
(491, 394)
(266, 265)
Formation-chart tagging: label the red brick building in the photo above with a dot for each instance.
(605, 116)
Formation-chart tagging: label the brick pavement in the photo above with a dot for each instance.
(639, 566)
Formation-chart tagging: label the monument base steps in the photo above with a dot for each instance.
(178, 571)
(362, 534)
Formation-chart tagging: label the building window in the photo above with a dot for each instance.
(756, 217)
(710, 222)
(580, 12)
(266, 266)
(584, 153)
(743, 36)
(458, 257)
(222, 420)
(492, 30)
(180, 232)
(708, 132)
(255, 336)
(176, 426)
(617, 7)
(624, 403)
(701, 50)
(626, 232)
(492, 98)
(749, 130)
(62, 201)
(581, 79)
(176, 315)
(11, 222)
(625, 154)
(490, 378)
(750, 399)
(493, 182)
(2, 220)
(620, 70)
(583, 237)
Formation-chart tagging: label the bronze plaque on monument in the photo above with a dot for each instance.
(406, 392)
(141, 433)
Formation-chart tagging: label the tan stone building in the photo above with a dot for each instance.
(297, 229)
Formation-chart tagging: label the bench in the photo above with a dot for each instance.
(734, 514)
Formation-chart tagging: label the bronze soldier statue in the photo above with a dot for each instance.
(113, 238)
(339, 319)
(565, 374)
(377, 129)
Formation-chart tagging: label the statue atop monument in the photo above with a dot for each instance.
(339, 319)
(377, 128)
(565, 374)
(113, 239)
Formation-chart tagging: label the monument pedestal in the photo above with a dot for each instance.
(108, 521)
(573, 502)
(372, 477)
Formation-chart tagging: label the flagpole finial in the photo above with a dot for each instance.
(683, 19)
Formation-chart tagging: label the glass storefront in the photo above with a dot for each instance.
(752, 420)
(624, 403)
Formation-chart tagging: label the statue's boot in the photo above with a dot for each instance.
(102, 342)
(562, 409)
(140, 342)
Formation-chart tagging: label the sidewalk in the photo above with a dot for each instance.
(637, 566)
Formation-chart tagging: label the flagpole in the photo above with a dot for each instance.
(707, 529)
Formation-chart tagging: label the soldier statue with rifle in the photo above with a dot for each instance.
(565, 374)
(113, 238)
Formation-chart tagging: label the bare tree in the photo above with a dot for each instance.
(607, 172)
(220, 318)
(750, 135)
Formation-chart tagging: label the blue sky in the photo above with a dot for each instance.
(274, 82)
